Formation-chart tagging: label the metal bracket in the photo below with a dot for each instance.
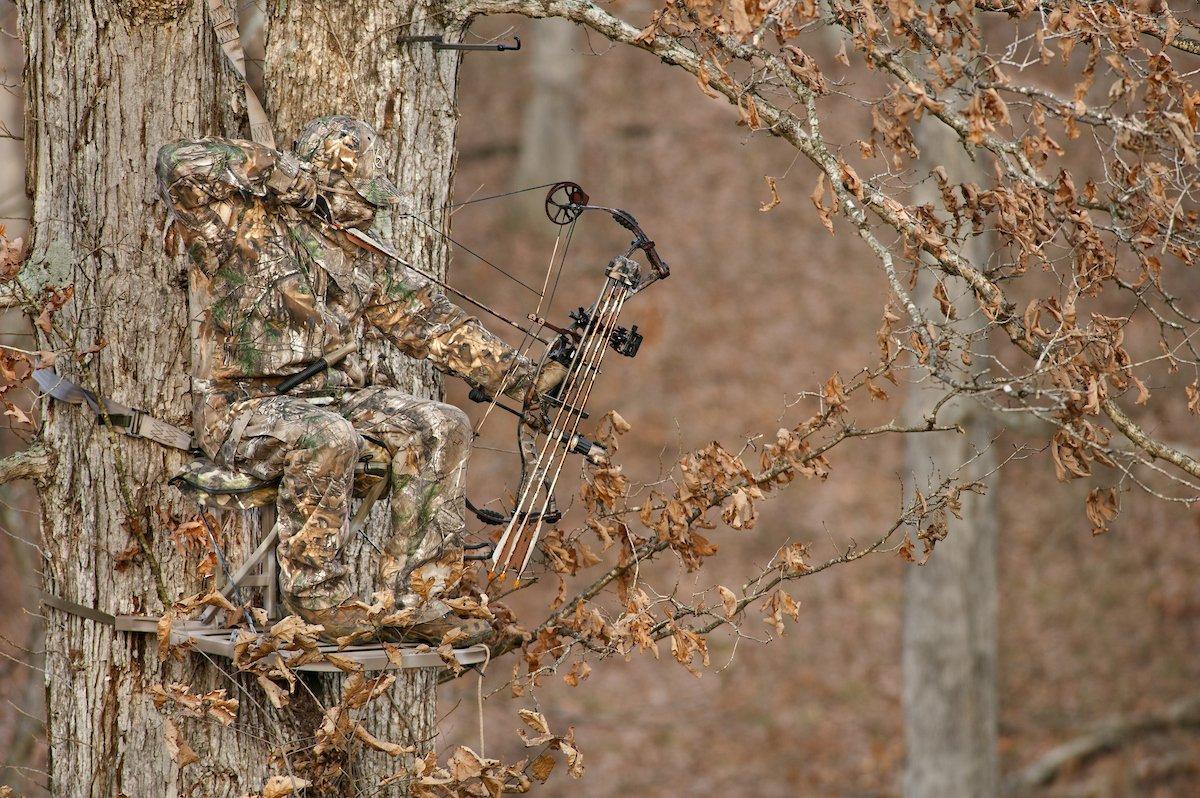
(439, 43)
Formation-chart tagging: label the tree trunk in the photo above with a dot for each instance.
(107, 83)
(342, 56)
(949, 635)
(550, 132)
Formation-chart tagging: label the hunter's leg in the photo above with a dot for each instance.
(429, 442)
(313, 451)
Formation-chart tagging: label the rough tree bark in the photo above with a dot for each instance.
(949, 633)
(106, 84)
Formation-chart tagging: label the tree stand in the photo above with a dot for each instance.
(216, 488)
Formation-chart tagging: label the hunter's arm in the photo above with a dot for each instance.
(200, 179)
(424, 324)
(193, 174)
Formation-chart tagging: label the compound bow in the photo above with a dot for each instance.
(580, 348)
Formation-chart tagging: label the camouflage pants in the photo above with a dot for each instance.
(313, 450)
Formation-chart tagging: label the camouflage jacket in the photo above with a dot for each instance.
(274, 290)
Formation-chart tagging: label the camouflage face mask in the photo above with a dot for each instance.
(351, 148)
(345, 205)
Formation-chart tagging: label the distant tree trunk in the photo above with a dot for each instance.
(106, 84)
(549, 148)
(341, 56)
(20, 730)
(949, 635)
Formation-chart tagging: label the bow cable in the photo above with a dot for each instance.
(585, 389)
(527, 489)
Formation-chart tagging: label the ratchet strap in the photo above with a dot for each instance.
(127, 420)
(226, 27)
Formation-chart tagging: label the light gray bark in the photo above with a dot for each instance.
(107, 83)
(949, 634)
(327, 57)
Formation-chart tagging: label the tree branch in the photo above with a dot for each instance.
(784, 124)
(1158, 31)
(31, 463)
(1114, 733)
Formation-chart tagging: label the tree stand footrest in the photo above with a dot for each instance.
(218, 641)
(371, 656)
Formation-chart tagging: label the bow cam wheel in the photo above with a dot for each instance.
(565, 202)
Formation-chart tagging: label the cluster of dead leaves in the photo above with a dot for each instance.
(13, 253)
(467, 774)
(790, 455)
(177, 700)
(338, 734)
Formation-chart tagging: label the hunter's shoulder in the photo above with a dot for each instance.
(190, 155)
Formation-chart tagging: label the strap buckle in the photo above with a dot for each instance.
(135, 423)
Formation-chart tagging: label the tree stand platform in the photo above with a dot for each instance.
(210, 639)
(260, 571)
(370, 656)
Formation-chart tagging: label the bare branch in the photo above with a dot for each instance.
(1114, 733)
(30, 463)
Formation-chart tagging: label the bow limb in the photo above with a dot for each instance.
(514, 537)
(518, 547)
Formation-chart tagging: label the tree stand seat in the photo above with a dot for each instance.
(220, 488)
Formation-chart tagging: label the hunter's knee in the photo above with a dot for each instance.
(333, 440)
(451, 426)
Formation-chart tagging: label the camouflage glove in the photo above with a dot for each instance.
(291, 182)
(549, 378)
(338, 202)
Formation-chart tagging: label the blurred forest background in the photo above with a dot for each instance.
(760, 306)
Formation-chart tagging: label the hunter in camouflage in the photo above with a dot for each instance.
(275, 286)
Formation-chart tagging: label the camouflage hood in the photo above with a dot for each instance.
(350, 147)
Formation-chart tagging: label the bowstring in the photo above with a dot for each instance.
(476, 255)
(451, 205)
(528, 483)
(580, 403)
(424, 219)
(531, 335)
(555, 446)
(588, 346)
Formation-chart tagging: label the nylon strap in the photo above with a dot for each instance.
(226, 27)
(51, 600)
(122, 623)
(131, 422)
